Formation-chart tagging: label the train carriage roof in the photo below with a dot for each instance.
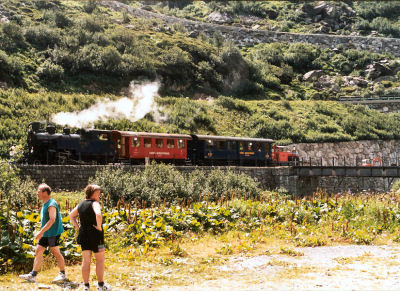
(152, 134)
(233, 138)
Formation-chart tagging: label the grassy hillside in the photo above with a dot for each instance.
(65, 55)
(72, 46)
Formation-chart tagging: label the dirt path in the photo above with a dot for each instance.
(323, 268)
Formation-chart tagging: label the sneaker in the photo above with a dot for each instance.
(86, 288)
(61, 277)
(105, 287)
(28, 277)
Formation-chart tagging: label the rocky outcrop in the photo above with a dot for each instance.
(247, 37)
(219, 18)
(330, 16)
(378, 69)
(313, 75)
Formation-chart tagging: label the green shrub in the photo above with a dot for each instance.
(89, 6)
(11, 37)
(14, 191)
(43, 36)
(62, 20)
(49, 71)
(232, 104)
(92, 24)
(159, 182)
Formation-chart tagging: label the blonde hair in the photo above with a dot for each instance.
(45, 188)
(90, 189)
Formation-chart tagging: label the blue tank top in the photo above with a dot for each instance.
(57, 227)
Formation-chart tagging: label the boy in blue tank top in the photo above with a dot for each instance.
(48, 236)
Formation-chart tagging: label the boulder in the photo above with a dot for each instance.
(193, 34)
(312, 75)
(355, 81)
(219, 18)
(377, 69)
(319, 8)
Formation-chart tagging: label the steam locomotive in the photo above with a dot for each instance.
(46, 146)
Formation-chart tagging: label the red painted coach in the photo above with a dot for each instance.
(135, 147)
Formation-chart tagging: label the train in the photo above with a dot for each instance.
(93, 146)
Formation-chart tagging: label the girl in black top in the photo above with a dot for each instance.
(90, 235)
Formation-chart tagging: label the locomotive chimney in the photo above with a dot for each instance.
(51, 129)
(36, 126)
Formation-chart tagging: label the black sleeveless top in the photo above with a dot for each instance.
(88, 234)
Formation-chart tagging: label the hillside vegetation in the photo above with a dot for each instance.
(65, 55)
(374, 18)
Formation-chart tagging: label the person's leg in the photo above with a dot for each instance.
(38, 258)
(59, 257)
(86, 258)
(100, 265)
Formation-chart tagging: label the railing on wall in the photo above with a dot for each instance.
(347, 162)
(366, 99)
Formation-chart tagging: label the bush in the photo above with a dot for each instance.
(11, 37)
(13, 190)
(42, 36)
(49, 71)
(232, 104)
(10, 68)
(92, 24)
(90, 6)
(159, 182)
(62, 20)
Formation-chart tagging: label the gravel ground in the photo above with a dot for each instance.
(322, 268)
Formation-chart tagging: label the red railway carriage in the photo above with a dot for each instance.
(135, 147)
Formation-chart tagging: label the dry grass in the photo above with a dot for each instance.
(201, 262)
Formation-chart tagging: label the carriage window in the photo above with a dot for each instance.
(209, 143)
(181, 144)
(250, 146)
(259, 147)
(242, 144)
(159, 143)
(103, 136)
(135, 142)
(234, 145)
(147, 142)
(170, 143)
(267, 147)
(221, 145)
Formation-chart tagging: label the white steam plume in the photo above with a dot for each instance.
(136, 106)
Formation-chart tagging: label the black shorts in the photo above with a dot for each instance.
(52, 241)
(92, 247)
(92, 240)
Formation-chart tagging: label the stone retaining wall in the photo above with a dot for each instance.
(75, 178)
(349, 153)
(246, 37)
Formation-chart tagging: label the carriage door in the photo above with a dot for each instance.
(123, 146)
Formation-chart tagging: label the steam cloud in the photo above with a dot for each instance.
(136, 106)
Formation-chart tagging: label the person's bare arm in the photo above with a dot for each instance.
(72, 217)
(99, 217)
(52, 218)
